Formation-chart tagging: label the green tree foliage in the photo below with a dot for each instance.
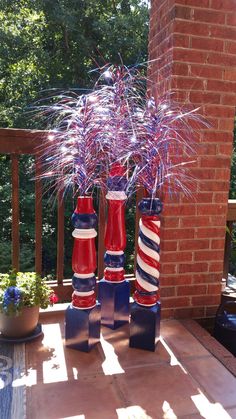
(53, 44)
(46, 46)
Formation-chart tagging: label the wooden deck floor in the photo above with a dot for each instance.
(181, 379)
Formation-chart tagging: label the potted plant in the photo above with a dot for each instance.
(21, 296)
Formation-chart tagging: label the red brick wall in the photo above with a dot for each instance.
(192, 52)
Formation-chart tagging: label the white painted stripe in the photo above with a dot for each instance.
(116, 195)
(114, 269)
(149, 269)
(144, 284)
(83, 294)
(149, 233)
(149, 252)
(83, 275)
(88, 233)
(114, 252)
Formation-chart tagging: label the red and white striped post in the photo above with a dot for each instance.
(146, 309)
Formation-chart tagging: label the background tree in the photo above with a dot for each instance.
(53, 44)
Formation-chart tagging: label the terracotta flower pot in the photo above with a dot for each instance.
(19, 326)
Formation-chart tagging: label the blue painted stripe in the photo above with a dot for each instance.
(147, 277)
(149, 206)
(84, 284)
(84, 221)
(148, 242)
(114, 261)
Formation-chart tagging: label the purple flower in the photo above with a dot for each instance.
(12, 296)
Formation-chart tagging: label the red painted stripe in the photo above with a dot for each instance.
(83, 302)
(149, 224)
(114, 276)
(146, 299)
(147, 259)
(151, 217)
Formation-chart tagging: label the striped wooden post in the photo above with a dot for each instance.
(145, 312)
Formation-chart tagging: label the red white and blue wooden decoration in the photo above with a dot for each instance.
(84, 261)
(145, 312)
(114, 288)
(148, 258)
(83, 315)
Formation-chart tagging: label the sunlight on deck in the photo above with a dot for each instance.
(132, 412)
(173, 360)
(168, 411)
(111, 364)
(54, 369)
(207, 409)
(177, 380)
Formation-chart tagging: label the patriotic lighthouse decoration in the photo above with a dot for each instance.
(114, 289)
(82, 322)
(146, 310)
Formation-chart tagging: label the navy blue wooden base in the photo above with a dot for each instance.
(145, 326)
(114, 299)
(82, 327)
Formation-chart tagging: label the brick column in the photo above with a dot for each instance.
(192, 46)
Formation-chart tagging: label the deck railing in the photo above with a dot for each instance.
(17, 142)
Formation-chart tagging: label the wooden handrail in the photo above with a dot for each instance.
(21, 141)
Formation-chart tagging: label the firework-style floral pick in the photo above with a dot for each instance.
(154, 140)
(74, 151)
(119, 94)
(116, 123)
(90, 132)
(165, 144)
